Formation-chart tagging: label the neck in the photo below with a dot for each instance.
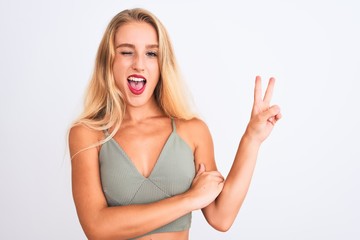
(138, 114)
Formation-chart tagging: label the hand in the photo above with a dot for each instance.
(205, 187)
(263, 116)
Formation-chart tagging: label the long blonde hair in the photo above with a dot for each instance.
(104, 106)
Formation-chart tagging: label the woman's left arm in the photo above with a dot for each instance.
(222, 212)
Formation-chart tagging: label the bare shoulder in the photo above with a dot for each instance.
(82, 137)
(85, 174)
(193, 126)
(194, 131)
(197, 134)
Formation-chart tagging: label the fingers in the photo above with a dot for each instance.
(274, 119)
(214, 175)
(269, 91)
(257, 90)
(272, 114)
(278, 116)
(201, 169)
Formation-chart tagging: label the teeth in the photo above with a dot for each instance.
(135, 79)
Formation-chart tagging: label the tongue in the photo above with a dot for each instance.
(137, 85)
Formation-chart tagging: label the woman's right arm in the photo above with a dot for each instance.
(121, 222)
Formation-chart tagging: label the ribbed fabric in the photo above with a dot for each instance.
(172, 174)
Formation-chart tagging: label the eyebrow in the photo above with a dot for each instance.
(133, 46)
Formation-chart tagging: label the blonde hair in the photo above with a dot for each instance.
(104, 106)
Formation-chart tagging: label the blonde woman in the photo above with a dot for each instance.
(141, 159)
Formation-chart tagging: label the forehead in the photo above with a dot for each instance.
(136, 33)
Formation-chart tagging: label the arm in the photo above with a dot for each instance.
(122, 222)
(222, 212)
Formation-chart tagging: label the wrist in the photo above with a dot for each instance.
(250, 139)
(188, 201)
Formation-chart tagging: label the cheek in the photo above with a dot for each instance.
(154, 66)
(121, 65)
(119, 71)
(120, 80)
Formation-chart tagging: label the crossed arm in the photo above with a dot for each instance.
(121, 222)
(219, 199)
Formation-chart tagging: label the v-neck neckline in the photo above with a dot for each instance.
(162, 152)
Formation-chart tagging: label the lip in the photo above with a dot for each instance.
(137, 76)
(134, 90)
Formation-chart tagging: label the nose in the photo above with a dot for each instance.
(138, 64)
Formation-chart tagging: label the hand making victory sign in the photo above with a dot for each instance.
(262, 121)
(263, 115)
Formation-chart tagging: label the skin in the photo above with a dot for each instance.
(136, 53)
(144, 122)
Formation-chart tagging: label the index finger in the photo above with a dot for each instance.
(257, 90)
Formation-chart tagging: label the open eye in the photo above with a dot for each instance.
(151, 54)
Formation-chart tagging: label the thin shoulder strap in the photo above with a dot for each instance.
(106, 133)
(173, 124)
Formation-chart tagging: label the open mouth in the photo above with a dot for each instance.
(136, 84)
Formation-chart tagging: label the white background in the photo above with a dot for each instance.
(306, 184)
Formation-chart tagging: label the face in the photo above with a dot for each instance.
(136, 66)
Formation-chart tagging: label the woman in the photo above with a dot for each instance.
(141, 159)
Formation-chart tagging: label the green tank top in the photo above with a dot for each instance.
(172, 174)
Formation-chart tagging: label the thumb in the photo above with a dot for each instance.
(270, 113)
(201, 169)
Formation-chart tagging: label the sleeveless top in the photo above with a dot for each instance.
(172, 174)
